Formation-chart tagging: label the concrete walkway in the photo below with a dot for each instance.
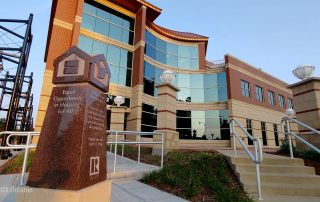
(124, 186)
(127, 169)
(134, 191)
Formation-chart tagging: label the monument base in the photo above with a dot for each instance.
(100, 192)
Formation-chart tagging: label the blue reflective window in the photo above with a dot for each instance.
(184, 63)
(223, 95)
(211, 95)
(150, 51)
(113, 55)
(125, 36)
(99, 48)
(161, 45)
(88, 21)
(222, 79)
(116, 20)
(85, 44)
(108, 22)
(194, 63)
(197, 95)
(102, 27)
(203, 125)
(197, 80)
(114, 73)
(89, 9)
(184, 95)
(185, 57)
(210, 80)
(151, 39)
(124, 78)
(172, 60)
(193, 87)
(184, 51)
(126, 59)
(172, 49)
(193, 52)
(115, 32)
(158, 73)
(103, 14)
(119, 60)
(149, 71)
(184, 80)
(161, 57)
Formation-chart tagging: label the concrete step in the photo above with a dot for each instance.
(268, 161)
(275, 169)
(127, 169)
(284, 189)
(287, 198)
(282, 179)
(302, 179)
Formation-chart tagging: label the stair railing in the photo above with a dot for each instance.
(26, 146)
(285, 123)
(256, 157)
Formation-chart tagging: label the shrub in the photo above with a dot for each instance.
(284, 147)
(195, 172)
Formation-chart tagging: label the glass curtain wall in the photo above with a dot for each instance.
(108, 22)
(148, 118)
(119, 60)
(184, 57)
(193, 87)
(203, 125)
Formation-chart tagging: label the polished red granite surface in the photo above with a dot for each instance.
(71, 152)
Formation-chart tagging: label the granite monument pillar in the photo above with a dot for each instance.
(70, 159)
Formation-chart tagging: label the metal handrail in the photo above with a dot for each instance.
(26, 147)
(138, 142)
(285, 123)
(257, 157)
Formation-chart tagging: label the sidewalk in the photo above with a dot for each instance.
(135, 191)
(124, 186)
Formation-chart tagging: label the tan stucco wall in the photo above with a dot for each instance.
(242, 111)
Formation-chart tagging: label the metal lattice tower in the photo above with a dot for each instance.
(14, 50)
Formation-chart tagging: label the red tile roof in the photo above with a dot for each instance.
(184, 36)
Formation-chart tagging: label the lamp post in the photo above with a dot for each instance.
(290, 112)
(303, 71)
(118, 100)
(167, 76)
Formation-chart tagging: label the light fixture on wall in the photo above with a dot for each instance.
(303, 71)
(167, 76)
(290, 112)
(118, 100)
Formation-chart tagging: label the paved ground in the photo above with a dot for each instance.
(127, 169)
(124, 187)
(134, 191)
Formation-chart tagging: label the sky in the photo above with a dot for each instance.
(273, 35)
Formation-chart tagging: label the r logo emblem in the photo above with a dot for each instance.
(94, 165)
